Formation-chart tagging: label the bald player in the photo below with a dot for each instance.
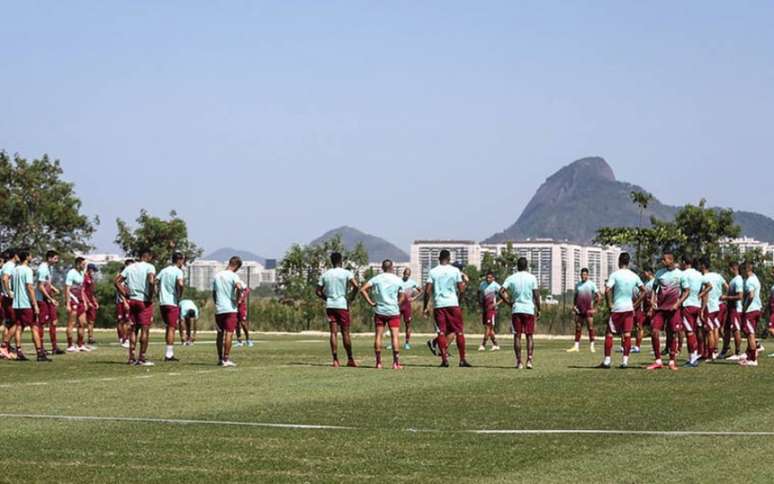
(387, 292)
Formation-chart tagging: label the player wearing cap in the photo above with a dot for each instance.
(619, 289)
(444, 283)
(170, 290)
(122, 311)
(10, 259)
(332, 288)
(667, 301)
(411, 292)
(752, 313)
(189, 315)
(243, 323)
(91, 298)
(713, 288)
(25, 305)
(76, 305)
(489, 298)
(226, 288)
(139, 287)
(733, 323)
(387, 291)
(45, 294)
(691, 282)
(586, 298)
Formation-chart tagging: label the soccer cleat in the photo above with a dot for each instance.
(619, 349)
(145, 363)
(92, 342)
(20, 356)
(406, 346)
(519, 365)
(170, 358)
(444, 364)
(743, 357)
(655, 366)
(636, 349)
(131, 362)
(43, 357)
(336, 364)
(379, 366)
(495, 348)
(57, 351)
(623, 366)
(603, 366)
(72, 349)
(351, 364)
(574, 349)
(397, 366)
(749, 363)
(125, 344)
(4, 354)
(672, 366)
(529, 364)
(691, 364)
(228, 364)
(431, 347)
(250, 343)
(591, 348)
(482, 348)
(83, 349)
(733, 358)
(465, 364)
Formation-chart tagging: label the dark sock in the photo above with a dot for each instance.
(378, 357)
(461, 346)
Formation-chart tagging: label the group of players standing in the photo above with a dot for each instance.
(29, 299)
(697, 307)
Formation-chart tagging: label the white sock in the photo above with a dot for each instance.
(170, 351)
(625, 360)
(577, 345)
(659, 362)
(694, 356)
(608, 360)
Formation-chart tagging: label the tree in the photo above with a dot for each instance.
(642, 199)
(39, 210)
(300, 270)
(161, 237)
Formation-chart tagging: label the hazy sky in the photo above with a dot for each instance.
(265, 123)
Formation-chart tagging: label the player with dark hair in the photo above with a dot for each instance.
(733, 322)
(691, 282)
(521, 291)
(136, 283)
(170, 289)
(333, 288)
(243, 323)
(122, 312)
(666, 301)
(489, 298)
(387, 291)
(619, 289)
(752, 313)
(645, 315)
(411, 291)
(586, 298)
(9, 319)
(25, 305)
(444, 283)
(88, 295)
(45, 294)
(76, 305)
(226, 288)
(713, 288)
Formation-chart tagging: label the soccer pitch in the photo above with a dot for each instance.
(283, 415)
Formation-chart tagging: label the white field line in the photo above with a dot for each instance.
(172, 421)
(367, 334)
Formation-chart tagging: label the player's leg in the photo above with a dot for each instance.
(228, 339)
(441, 324)
(458, 325)
(194, 323)
(82, 328)
(749, 329)
(395, 336)
(484, 323)
(610, 330)
(169, 353)
(72, 316)
(690, 321)
(346, 339)
(493, 333)
(246, 327)
(239, 333)
(656, 324)
(53, 323)
(91, 319)
(378, 332)
(592, 332)
(676, 329)
(516, 326)
(579, 320)
(409, 329)
(219, 326)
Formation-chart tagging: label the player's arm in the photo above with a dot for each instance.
(426, 298)
(402, 297)
(46, 296)
(536, 300)
(355, 287)
(609, 297)
(749, 300)
(152, 281)
(179, 288)
(118, 283)
(68, 296)
(30, 288)
(364, 291)
(320, 292)
(7, 284)
(640, 296)
(420, 292)
(705, 289)
(505, 296)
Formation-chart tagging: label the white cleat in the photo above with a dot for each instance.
(84, 349)
(733, 358)
(495, 348)
(228, 364)
(125, 344)
(482, 348)
(72, 349)
(591, 348)
(146, 363)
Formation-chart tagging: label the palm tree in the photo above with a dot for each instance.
(642, 199)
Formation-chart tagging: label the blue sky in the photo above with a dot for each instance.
(266, 123)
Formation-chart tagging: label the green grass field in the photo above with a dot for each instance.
(409, 425)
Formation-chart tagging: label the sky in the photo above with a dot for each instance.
(269, 123)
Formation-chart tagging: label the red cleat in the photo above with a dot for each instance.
(397, 366)
(379, 366)
(655, 366)
(351, 364)
(336, 364)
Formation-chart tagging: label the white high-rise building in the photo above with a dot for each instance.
(200, 273)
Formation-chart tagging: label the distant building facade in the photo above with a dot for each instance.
(746, 244)
(200, 273)
(556, 265)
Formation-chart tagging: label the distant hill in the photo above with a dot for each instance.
(378, 248)
(227, 252)
(585, 195)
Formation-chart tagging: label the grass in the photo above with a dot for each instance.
(408, 425)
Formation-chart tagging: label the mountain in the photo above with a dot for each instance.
(378, 248)
(585, 195)
(226, 252)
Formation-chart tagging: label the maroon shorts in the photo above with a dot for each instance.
(771, 320)
(691, 318)
(488, 318)
(25, 317)
(406, 311)
(639, 318)
(448, 320)
(91, 313)
(663, 317)
(44, 313)
(751, 322)
(338, 316)
(713, 320)
(523, 323)
(242, 313)
(9, 317)
(734, 323)
(226, 322)
(122, 314)
(78, 309)
(141, 313)
(620, 323)
(392, 322)
(170, 314)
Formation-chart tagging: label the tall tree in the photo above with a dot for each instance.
(161, 237)
(39, 210)
(642, 200)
